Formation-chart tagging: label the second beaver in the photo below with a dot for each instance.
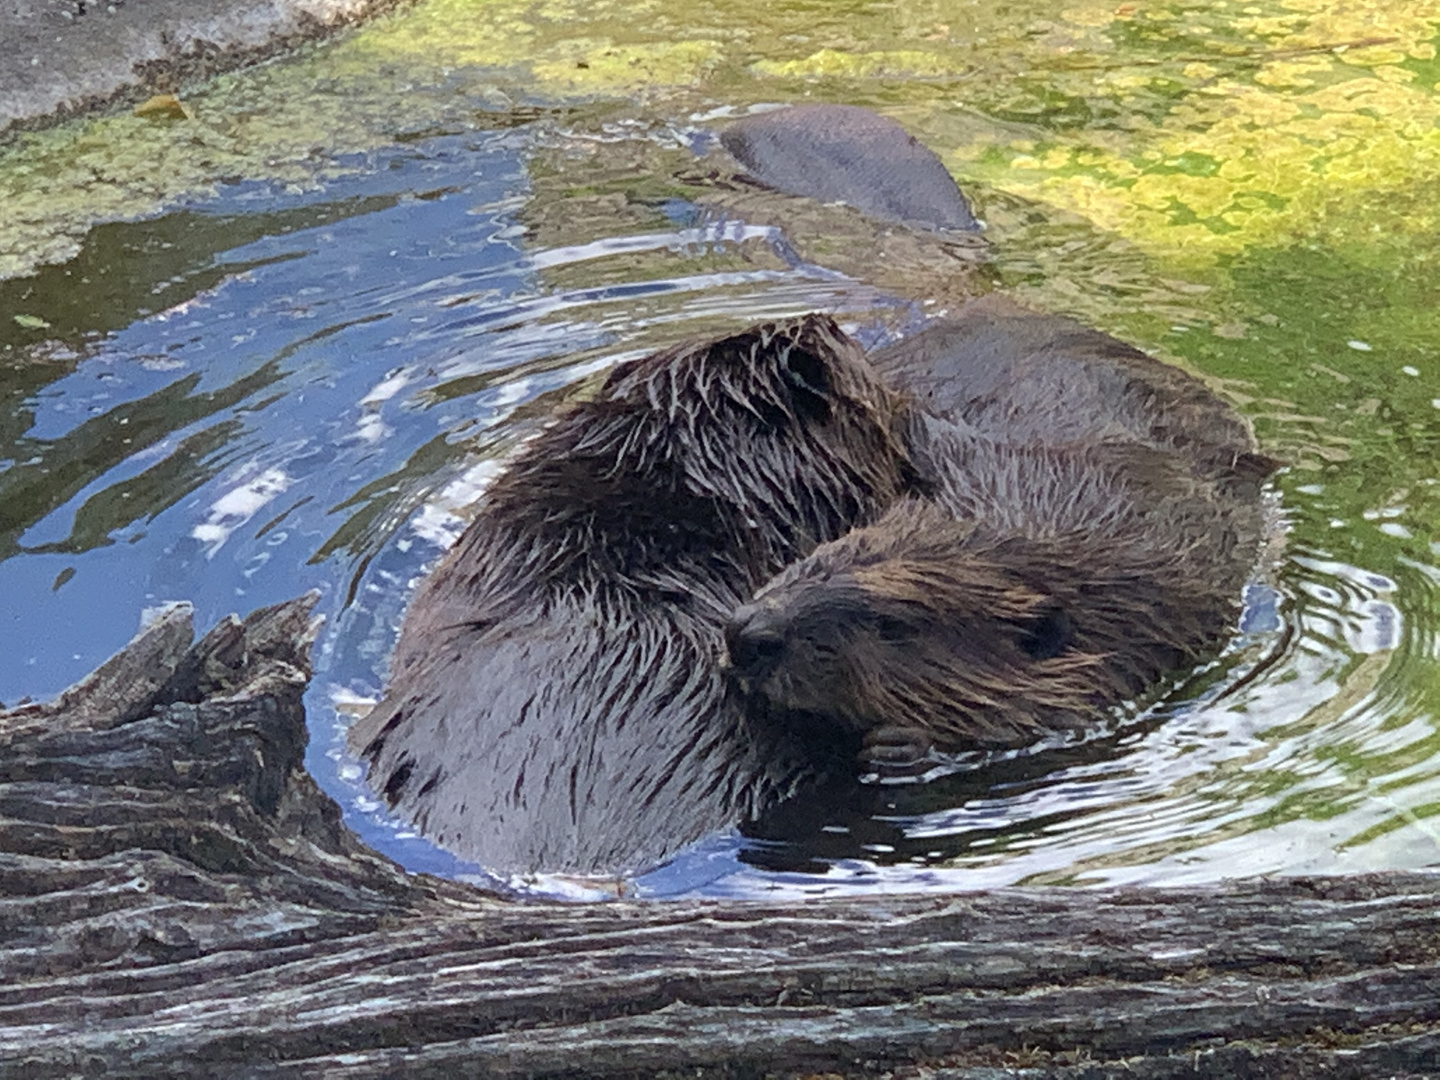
(1073, 554)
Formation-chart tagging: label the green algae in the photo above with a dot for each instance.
(1193, 131)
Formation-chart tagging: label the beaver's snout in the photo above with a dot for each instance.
(755, 640)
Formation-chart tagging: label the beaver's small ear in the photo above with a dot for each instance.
(1047, 633)
(809, 378)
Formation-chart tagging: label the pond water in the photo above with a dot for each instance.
(448, 222)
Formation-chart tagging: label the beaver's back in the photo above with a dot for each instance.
(1029, 379)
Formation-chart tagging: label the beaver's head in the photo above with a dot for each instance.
(916, 630)
(730, 457)
(785, 421)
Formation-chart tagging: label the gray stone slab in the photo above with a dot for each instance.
(60, 57)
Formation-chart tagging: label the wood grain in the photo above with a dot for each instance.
(177, 897)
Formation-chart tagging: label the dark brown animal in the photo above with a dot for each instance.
(1029, 379)
(843, 153)
(556, 701)
(1093, 518)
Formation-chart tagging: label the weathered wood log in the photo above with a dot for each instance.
(178, 898)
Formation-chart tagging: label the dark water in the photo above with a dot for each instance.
(265, 392)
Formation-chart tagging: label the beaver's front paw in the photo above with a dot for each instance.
(896, 752)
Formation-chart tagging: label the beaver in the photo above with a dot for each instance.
(1031, 379)
(844, 153)
(854, 192)
(556, 701)
(1072, 552)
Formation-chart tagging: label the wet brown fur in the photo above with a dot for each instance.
(1068, 560)
(556, 700)
(993, 564)
(1027, 379)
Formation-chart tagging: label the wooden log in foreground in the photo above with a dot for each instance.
(178, 898)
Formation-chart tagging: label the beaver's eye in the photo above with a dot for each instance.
(893, 631)
(1049, 635)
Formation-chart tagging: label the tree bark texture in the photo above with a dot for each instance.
(177, 897)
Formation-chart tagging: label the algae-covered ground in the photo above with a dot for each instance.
(1195, 130)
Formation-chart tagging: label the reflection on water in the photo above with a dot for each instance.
(269, 392)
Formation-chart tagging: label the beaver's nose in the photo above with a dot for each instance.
(756, 641)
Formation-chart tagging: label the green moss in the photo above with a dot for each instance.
(1236, 116)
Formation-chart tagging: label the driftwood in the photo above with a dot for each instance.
(178, 898)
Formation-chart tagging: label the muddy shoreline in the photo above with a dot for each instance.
(60, 58)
